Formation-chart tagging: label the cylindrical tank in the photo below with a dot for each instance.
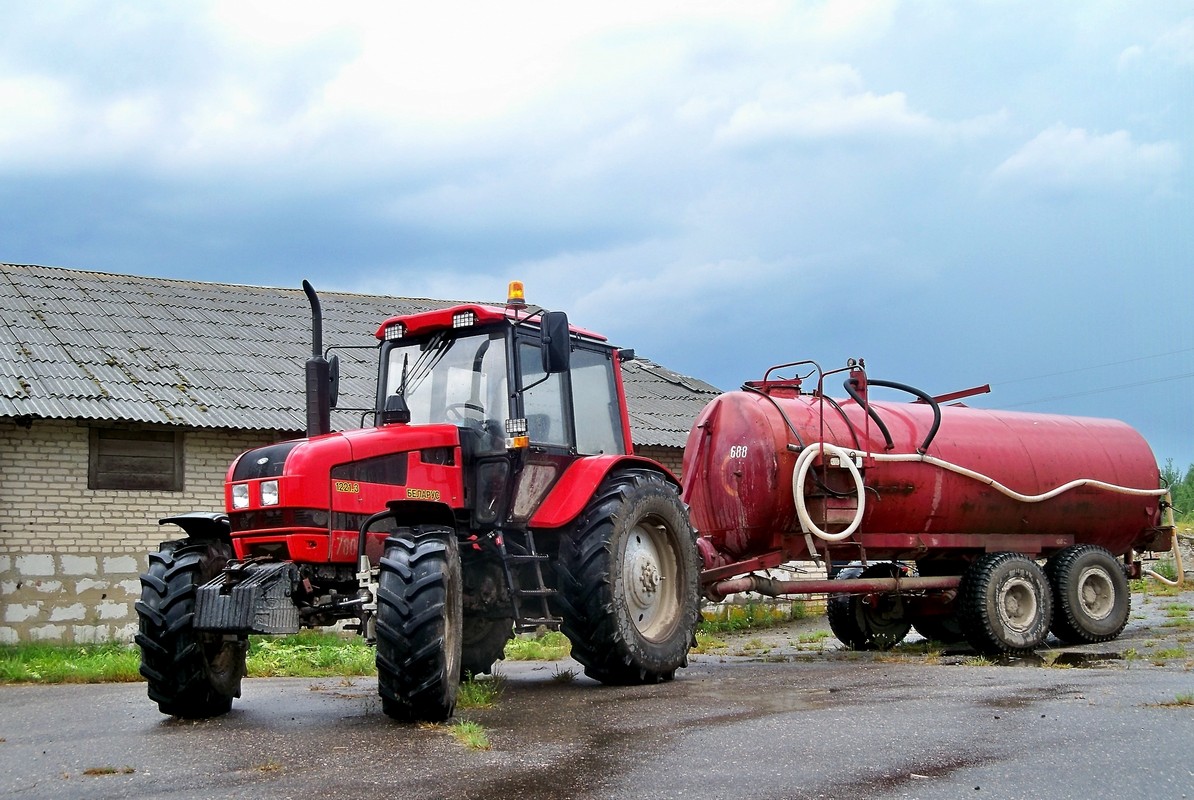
(741, 453)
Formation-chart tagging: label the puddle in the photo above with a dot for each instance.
(1072, 659)
(1065, 658)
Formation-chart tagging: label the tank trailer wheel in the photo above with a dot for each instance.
(868, 621)
(628, 581)
(945, 628)
(1091, 594)
(190, 674)
(1005, 604)
(419, 625)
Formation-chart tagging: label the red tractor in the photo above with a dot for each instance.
(496, 492)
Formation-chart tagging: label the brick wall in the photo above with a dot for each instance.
(70, 556)
(670, 457)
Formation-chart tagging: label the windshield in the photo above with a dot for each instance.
(459, 380)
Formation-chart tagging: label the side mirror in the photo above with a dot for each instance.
(557, 349)
(333, 380)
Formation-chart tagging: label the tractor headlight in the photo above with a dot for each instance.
(395, 331)
(492, 477)
(269, 493)
(240, 495)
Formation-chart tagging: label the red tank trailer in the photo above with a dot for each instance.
(925, 513)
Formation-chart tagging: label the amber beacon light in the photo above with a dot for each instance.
(516, 295)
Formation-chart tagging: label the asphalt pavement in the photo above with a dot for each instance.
(764, 717)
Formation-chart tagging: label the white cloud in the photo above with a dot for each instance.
(1174, 46)
(824, 103)
(1065, 158)
(832, 102)
(32, 108)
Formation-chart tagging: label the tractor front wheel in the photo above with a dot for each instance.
(190, 674)
(419, 625)
(628, 580)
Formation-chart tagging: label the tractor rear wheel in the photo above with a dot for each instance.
(190, 674)
(419, 624)
(1005, 604)
(875, 621)
(1091, 594)
(628, 581)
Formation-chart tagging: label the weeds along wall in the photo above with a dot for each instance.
(70, 556)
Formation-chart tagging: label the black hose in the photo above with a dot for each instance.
(850, 385)
(923, 396)
(365, 526)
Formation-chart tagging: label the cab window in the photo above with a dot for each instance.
(595, 400)
(543, 402)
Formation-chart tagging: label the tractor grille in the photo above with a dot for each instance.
(268, 519)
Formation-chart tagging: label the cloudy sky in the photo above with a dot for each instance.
(959, 192)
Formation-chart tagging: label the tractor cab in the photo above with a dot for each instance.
(528, 393)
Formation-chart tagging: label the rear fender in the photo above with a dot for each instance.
(579, 483)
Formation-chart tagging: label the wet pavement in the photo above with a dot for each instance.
(780, 714)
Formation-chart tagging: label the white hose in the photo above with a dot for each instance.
(805, 459)
(1175, 545)
(800, 471)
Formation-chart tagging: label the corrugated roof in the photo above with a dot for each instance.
(98, 346)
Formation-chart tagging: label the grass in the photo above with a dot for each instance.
(1178, 610)
(1184, 700)
(549, 646)
(1170, 652)
(755, 645)
(480, 692)
(311, 654)
(733, 617)
(1152, 588)
(707, 643)
(470, 734)
(54, 663)
(1180, 624)
(305, 655)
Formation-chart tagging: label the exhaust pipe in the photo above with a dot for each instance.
(319, 373)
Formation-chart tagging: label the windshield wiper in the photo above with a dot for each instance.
(437, 348)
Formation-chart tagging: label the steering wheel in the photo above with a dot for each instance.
(455, 413)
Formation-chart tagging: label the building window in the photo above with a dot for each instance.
(135, 460)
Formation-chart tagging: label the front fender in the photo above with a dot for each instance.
(202, 525)
(576, 487)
